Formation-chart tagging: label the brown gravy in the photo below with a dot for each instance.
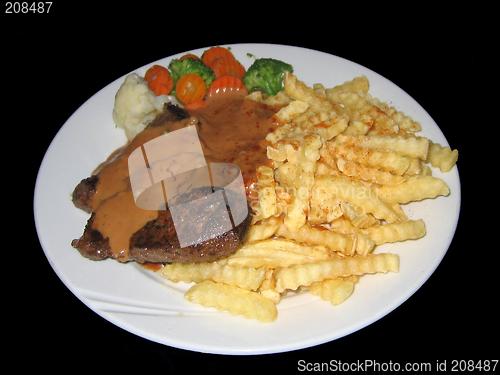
(231, 129)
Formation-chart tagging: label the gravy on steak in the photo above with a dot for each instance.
(231, 129)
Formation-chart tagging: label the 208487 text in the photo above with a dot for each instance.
(24, 7)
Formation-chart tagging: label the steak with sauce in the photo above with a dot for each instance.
(85, 190)
(157, 240)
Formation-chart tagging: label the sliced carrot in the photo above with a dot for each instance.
(189, 56)
(211, 54)
(227, 67)
(190, 88)
(159, 80)
(226, 84)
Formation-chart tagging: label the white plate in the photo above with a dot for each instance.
(89, 136)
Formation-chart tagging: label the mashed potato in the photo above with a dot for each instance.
(136, 105)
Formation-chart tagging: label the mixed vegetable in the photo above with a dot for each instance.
(181, 67)
(266, 75)
(193, 79)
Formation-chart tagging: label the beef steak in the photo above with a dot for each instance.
(157, 241)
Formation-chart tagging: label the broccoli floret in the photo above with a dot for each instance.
(266, 75)
(178, 68)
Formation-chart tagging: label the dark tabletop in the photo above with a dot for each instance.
(56, 62)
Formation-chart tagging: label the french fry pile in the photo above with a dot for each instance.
(343, 164)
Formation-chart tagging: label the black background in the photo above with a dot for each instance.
(53, 63)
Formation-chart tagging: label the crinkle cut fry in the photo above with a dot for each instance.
(404, 122)
(267, 289)
(325, 124)
(299, 91)
(344, 226)
(344, 188)
(334, 291)
(303, 160)
(276, 253)
(413, 189)
(357, 216)
(409, 230)
(292, 110)
(359, 85)
(263, 229)
(442, 157)
(387, 161)
(362, 110)
(323, 210)
(415, 147)
(357, 127)
(243, 277)
(233, 300)
(376, 176)
(345, 244)
(415, 167)
(291, 278)
(266, 192)
(354, 95)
